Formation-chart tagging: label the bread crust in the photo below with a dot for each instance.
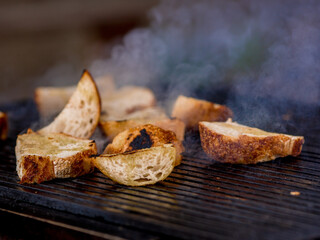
(80, 116)
(113, 128)
(191, 111)
(51, 100)
(248, 149)
(144, 136)
(3, 126)
(36, 168)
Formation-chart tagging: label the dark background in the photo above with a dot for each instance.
(41, 37)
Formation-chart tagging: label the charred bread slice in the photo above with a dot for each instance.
(51, 100)
(80, 116)
(56, 155)
(230, 142)
(139, 167)
(142, 137)
(3, 126)
(191, 111)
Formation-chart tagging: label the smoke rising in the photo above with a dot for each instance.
(266, 53)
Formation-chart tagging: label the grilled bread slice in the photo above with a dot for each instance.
(51, 100)
(151, 115)
(230, 142)
(140, 167)
(144, 136)
(146, 113)
(56, 155)
(127, 100)
(113, 128)
(3, 126)
(80, 116)
(191, 111)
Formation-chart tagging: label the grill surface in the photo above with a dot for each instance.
(201, 198)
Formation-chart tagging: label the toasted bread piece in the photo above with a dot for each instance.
(153, 115)
(230, 142)
(56, 155)
(140, 167)
(127, 100)
(51, 100)
(144, 136)
(145, 113)
(175, 125)
(113, 128)
(80, 116)
(191, 111)
(3, 126)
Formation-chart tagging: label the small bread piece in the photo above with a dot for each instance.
(230, 142)
(191, 111)
(113, 128)
(140, 167)
(56, 155)
(51, 100)
(3, 126)
(127, 100)
(144, 136)
(80, 116)
(152, 115)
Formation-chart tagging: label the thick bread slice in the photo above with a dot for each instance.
(80, 116)
(3, 126)
(56, 155)
(51, 100)
(127, 100)
(191, 111)
(113, 128)
(140, 167)
(144, 136)
(231, 142)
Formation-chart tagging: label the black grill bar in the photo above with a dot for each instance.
(200, 199)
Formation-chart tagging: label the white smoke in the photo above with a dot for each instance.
(261, 49)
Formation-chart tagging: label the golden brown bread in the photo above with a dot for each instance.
(3, 126)
(42, 158)
(230, 142)
(80, 116)
(51, 100)
(127, 100)
(139, 167)
(191, 111)
(144, 136)
(113, 128)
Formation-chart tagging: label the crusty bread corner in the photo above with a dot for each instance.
(139, 167)
(144, 136)
(3, 126)
(230, 142)
(51, 100)
(56, 155)
(191, 111)
(80, 116)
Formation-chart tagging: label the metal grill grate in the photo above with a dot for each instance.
(201, 198)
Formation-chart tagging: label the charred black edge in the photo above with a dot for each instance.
(141, 141)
